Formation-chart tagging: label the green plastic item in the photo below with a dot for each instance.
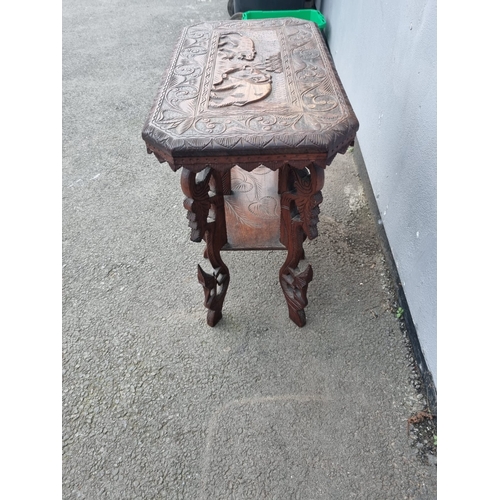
(307, 14)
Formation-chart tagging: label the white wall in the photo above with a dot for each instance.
(385, 54)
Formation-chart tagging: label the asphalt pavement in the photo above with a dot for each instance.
(156, 404)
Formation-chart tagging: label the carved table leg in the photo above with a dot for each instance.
(205, 201)
(300, 198)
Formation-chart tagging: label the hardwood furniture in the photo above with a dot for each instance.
(252, 112)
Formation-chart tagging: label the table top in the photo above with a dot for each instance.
(247, 93)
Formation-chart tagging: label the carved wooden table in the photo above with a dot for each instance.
(252, 111)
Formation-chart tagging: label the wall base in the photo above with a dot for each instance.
(428, 386)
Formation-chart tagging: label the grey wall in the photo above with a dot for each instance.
(385, 53)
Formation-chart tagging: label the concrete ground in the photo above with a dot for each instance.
(156, 404)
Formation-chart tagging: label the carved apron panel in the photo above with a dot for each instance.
(253, 210)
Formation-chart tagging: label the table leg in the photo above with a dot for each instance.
(300, 198)
(205, 206)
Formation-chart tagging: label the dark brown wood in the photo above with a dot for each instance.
(197, 201)
(306, 110)
(300, 211)
(204, 197)
(240, 101)
(253, 210)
